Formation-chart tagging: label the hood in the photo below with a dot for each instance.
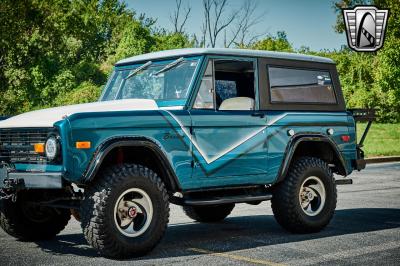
(47, 117)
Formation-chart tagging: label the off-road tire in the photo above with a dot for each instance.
(97, 211)
(285, 201)
(17, 223)
(208, 214)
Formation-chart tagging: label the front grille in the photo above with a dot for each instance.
(16, 145)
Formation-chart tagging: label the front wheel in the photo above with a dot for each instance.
(125, 211)
(26, 220)
(306, 200)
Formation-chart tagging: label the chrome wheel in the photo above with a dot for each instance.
(133, 212)
(312, 196)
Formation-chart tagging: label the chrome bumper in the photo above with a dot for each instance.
(46, 180)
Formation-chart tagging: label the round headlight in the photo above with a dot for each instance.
(51, 148)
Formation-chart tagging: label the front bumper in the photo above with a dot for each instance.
(21, 180)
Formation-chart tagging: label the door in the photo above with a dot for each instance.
(228, 133)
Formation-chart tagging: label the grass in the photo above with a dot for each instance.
(382, 139)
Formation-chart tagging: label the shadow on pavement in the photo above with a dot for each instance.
(238, 233)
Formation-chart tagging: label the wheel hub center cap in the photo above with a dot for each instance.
(310, 196)
(132, 212)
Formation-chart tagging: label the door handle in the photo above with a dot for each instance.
(258, 114)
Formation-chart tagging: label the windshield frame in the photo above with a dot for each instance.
(160, 102)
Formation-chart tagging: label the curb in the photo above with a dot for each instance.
(385, 159)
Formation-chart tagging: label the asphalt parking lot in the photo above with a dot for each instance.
(365, 230)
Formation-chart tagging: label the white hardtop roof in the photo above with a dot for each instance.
(223, 51)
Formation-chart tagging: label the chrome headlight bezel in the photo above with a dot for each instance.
(52, 148)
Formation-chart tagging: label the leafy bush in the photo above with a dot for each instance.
(86, 92)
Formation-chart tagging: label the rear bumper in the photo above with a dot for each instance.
(359, 164)
(21, 180)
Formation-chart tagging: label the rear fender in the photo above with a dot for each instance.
(296, 140)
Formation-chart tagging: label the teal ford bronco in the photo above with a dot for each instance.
(201, 128)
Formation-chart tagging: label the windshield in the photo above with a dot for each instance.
(152, 80)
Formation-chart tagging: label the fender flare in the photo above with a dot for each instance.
(294, 143)
(108, 145)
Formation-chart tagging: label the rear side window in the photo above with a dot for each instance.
(290, 85)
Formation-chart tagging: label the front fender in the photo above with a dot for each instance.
(108, 145)
(102, 129)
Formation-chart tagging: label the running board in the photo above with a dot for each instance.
(225, 200)
(344, 181)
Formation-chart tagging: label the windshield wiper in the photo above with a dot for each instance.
(170, 66)
(138, 69)
(134, 72)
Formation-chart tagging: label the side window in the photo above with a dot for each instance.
(205, 96)
(227, 85)
(234, 85)
(289, 85)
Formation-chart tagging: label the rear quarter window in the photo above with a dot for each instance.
(302, 86)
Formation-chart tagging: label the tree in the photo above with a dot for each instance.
(238, 23)
(242, 33)
(174, 18)
(373, 79)
(216, 19)
(166, 41)
(338, 6)
(393, 27)
(59, 52)
(387, 80)
(272, 43)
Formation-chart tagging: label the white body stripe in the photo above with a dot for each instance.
(229, 148)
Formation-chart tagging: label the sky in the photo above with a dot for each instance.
(306, 22)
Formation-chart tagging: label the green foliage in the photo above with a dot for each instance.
(136, 40)
(387, 80)
(372, 79)
(393, 27)
(50, 47)
(273, 43)
(60, 52)
(166, 41)
(86, 92)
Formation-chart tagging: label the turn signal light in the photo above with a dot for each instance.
(38, 147)
(345, 138)
(83, 145)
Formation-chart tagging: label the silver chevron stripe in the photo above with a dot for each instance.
(228, 149)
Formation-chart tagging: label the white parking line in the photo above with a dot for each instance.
(235, 257)
(346, 254)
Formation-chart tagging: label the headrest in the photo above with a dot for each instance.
(237, 103)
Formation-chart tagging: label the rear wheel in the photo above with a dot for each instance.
(306, 200)
(208, 214)
(28, 221)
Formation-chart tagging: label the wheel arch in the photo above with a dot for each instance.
(323, 147)
(109, 151)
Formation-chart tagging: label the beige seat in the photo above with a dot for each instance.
(237, 103)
